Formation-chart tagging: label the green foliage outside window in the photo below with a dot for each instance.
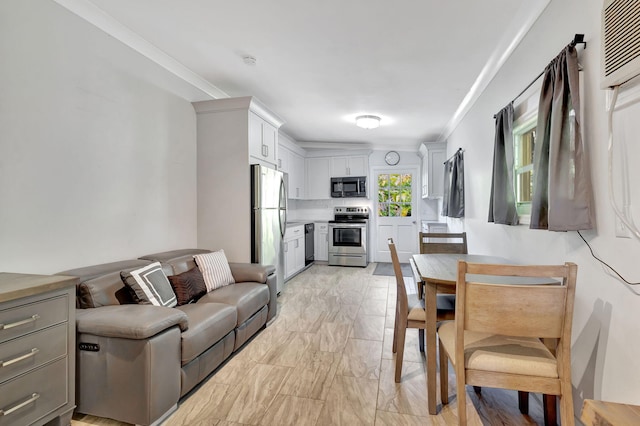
(394, 195)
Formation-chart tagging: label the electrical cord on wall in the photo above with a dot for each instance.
(609, 267)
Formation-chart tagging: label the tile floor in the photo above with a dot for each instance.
(327, 360)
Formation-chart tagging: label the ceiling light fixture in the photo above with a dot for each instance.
(368, 121)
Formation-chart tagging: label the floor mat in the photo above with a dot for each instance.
(387, 269)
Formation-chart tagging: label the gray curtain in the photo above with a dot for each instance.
(502, 201)
(453, 197)
(562, 194)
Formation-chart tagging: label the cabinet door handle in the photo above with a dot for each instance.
(297, 243)
(29, 354)
(33, 318)
(34, 396)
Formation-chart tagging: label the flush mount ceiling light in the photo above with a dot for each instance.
(368, 121)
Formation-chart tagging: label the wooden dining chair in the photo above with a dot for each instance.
(496, 338)
(441, 242)
(410, 313)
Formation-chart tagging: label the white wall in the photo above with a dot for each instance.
(97, 162)
(606, 348)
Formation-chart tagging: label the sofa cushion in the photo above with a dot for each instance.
(105, 290)
(247, 298)
(188, 286)
(149, 285)
(208, 323)
(215, 269)
(181, 264)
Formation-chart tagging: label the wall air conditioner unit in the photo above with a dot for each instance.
(620, 41)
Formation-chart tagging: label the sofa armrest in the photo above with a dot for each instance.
(250, 272)
(129, 321)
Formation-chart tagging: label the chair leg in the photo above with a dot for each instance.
(566, 404)
(523, 402)
(550, 410)
(402, 330)
(444, 374)
(461, 398)
(421, 339)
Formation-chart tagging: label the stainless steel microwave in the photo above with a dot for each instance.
(349, 186)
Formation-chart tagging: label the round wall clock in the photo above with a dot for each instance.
(392, 158)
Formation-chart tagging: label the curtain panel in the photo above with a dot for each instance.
(502, 201)
(562, 197)
(453, 197)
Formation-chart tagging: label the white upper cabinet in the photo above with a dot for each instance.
(318, 178)
(356, 165)
(263, 140)
(291, 162)
(296, 176)
(433, 157)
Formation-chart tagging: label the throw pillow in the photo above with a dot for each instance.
(215, 269)
(150, 286)
(188, 286)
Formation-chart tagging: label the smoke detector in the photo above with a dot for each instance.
(249, 60)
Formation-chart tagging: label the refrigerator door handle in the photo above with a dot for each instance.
(283, 198)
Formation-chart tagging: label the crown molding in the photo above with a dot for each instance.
(105, 22)
(243, 103)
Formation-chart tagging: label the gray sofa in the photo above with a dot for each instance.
(134, 362)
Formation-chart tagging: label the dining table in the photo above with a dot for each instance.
(439, 272)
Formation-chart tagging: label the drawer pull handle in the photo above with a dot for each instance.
(34, 396)
(29, 354)
(33, 318)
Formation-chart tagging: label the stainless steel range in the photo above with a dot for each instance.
(348, 236)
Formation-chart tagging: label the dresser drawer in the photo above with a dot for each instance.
(23, 319)
(31, 351)
(29, 397)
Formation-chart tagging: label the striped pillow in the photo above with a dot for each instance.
(215, 269)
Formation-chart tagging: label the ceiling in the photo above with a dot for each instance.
(418, 64)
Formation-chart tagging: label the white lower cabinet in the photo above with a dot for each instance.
(321, 241)
(293, 250)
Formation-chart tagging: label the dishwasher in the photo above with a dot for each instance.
(308, 243)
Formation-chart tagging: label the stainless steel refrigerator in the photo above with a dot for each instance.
(268, 218)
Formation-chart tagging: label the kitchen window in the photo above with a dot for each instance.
(394, 195)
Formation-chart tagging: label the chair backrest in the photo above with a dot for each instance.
(401, 299)
(441, 242)
(538, 304)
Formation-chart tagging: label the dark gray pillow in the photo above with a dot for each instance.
(149, 286)
(188, 286)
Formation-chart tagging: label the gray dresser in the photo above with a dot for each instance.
(37, 349)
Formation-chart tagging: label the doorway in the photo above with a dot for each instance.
(395, 211)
